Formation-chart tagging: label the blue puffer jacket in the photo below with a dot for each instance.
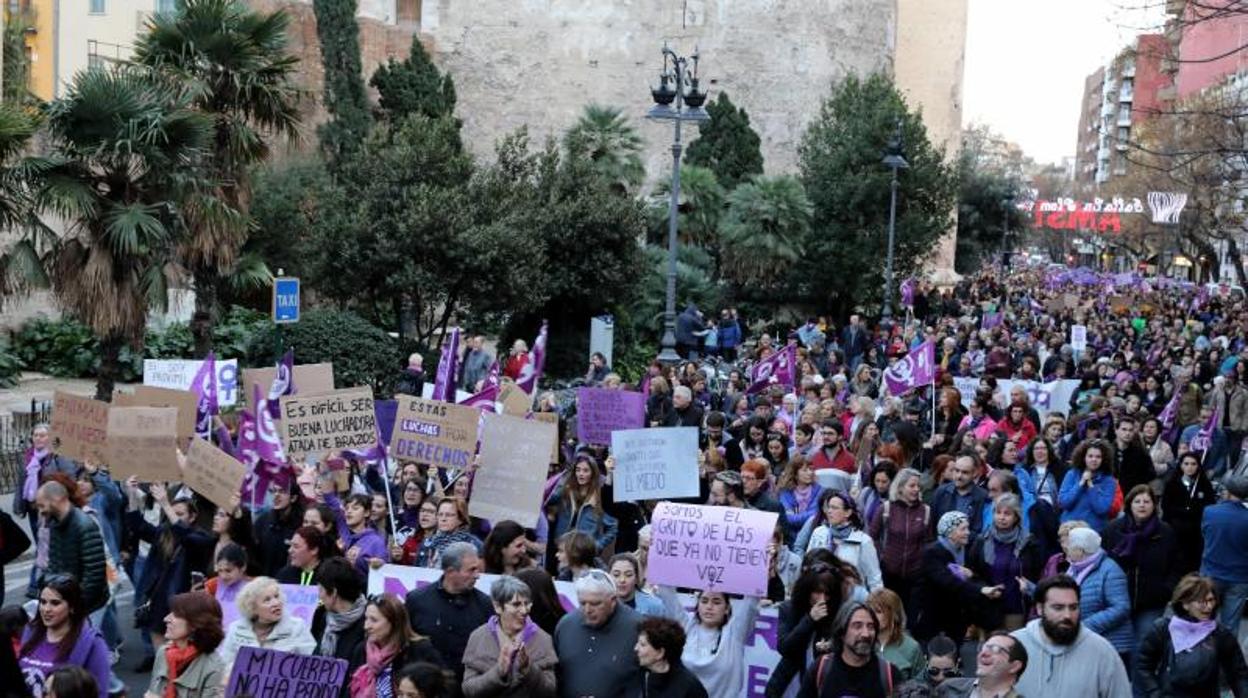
(1105, 604)
(1090, 504)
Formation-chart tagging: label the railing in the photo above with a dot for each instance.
(15, 439)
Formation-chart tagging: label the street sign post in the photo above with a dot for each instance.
(285, 299)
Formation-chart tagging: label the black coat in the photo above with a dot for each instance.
(1134, 466)
(411, 382)
(945, 604)
(793, 638)
(691, 416)
(447, 620)
(1151, 576)
(350, 644)
(1030, 564)
(163, 578)
(272, 535)
(1197, 675)
(1183, 509)
(678, 682)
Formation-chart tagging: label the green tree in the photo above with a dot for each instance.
(988, 181)
(701, 205)
(22, 263)
(767, 225)
(344, 95)
(243, 78)
(727, 145)
(604, 136)
(414, 86)
(840, 162)
(126, 145)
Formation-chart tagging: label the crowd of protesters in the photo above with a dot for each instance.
(928, 543)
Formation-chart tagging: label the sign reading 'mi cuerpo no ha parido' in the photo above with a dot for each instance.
(332, 421)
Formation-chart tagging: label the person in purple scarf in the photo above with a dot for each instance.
(1190, 654)
(509, 655)
(40, 462)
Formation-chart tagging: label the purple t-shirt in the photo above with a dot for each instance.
(41, 662)
(36, 667)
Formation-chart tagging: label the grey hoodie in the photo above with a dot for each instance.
(1087, 668)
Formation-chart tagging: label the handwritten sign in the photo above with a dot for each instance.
(301, 601)
(310, 379)
(515, 401)
(80, 424)
(655, 463)
(178, 374)
(184, 401)
(1079, 337)
(213, 473)
(434, 432)
(710, 548)
(339, 419)
(550, 418)
(514, 460)
(142, 442)
(262, 673)
(600, 412)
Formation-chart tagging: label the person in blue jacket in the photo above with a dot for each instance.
(1087, 492)
(576, 505)
(1104, 600)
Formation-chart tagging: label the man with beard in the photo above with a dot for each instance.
(853, 669)
(1067, 659)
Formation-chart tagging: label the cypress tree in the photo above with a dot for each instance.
(345, 99)
(728, 145)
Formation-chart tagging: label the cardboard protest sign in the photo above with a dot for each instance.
(80, 425)
(142, 441)
(262, 673)
(514, 400)
(655, 463)
(332, 421)
(184, 401)
(550, 418)
(435, 432)
(178, 374)
(710, 548)
(1070, 300)
(600, 412)
(1120, 304)
(215, 474)
(514, 461)
(309, 379)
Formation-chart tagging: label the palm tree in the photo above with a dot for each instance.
(242, 74)
(702, 204)
(762, 234)
(604, 136)
(125, 145)
(22, 262)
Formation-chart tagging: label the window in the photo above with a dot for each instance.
(97, 7)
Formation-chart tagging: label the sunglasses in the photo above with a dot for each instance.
(947, 673)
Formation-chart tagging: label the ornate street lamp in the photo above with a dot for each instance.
(894, 159)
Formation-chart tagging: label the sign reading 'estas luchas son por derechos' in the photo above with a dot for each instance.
(332, 421)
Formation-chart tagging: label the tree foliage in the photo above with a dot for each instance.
(840, 162)
(988, 183)
(765, 231)
(701, 206)
(345, 98)
(604, 136)
(414, 86)
(727, 145)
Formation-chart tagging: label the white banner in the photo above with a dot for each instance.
(761, 656)
(177, 374)
(1045, 397)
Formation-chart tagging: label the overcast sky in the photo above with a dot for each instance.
(1026, 61)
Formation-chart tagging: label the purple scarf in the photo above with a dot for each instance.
(31, 486)
(1133, 534)
(1186, 634)
(1080, 570)
(526, 633)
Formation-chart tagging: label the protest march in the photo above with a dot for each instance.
(1042, 469)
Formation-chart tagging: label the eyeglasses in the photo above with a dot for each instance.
(995, 649)
(947, 673)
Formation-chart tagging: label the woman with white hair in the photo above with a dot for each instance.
(509, 655)
(947, 597)
(1104, 600)
(263, 621)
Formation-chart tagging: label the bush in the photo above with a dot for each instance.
(11, 366)
(362, 354)
(62, 348)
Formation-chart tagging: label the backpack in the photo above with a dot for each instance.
(886, 674)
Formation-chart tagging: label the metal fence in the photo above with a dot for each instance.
(15, 439)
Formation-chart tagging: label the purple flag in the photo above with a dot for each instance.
(204, 385)
(1035, 305)
(916, 369)
(532, 372)
(990, 320)
(283, 383)
(778, 369)
(260, 448)
(907, 293)
(268, 443)
(1169, 416)
(489, 391)
(1204, 438)
(444, 386)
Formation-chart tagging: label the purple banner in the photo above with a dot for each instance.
(600, 412)
(532, 372)
(916, 369)
(204, 385)
(907, 293)
(283, 383)
(778, 369)
(444, 386)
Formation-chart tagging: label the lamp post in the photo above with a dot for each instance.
(679, 99)
(1006, 202)
(895, 160)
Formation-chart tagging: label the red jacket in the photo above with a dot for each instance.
(515, 366)
(842, 461)
(1025, 431)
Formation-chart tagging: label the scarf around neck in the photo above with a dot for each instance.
(1134, 534)
(526, 633)
(1012, 538)
(335, 623)
(1080, 570)
(1186, 634)
(839, 533)
(178, 659)
(377, 658)
(31, 487)
(959, 554)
